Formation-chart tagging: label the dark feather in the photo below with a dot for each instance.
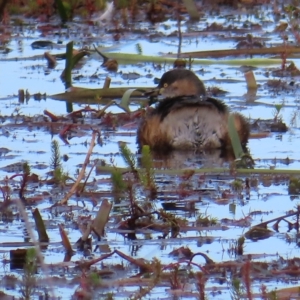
(165, 106)
(178, 74)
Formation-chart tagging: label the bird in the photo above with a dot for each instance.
(187, 119)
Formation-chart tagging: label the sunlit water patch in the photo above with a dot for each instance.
(235, 211)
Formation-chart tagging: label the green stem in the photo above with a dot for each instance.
(68, 68)
(108, 170)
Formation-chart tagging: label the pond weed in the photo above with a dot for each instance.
(55, 160)
(28, 286)
(144, 175)
(237, 289)
(206, 220)
(294, 186)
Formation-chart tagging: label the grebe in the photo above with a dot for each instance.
(186, 118)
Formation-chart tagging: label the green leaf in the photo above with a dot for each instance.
(124, 104)
(62, 11)
(192, 9)
(40, 226)
(68, 66)
(234, 137)
(129, 58)
(278, 107)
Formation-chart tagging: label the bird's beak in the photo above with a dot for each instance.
(153, 94)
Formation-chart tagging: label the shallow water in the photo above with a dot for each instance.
(26, 141)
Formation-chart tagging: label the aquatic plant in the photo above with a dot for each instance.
(28, 283)
(55, 160)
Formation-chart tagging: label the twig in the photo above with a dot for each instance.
(81, 174)
(107, 82)
(264, 224)
(53, 117)
(101, 112)
(88, 176)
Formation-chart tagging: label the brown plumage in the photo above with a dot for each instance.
(180, 82)
(187, 119)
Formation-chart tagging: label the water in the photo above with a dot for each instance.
(26, 134)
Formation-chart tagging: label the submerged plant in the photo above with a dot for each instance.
(26, 173)
(119, 185)
(55, 155)
(28, 279)
(294, 186)
(237, 185)
(201, 280)
(128, 157)
(237, 289)
(205, 220)
(147, 175)
(173, 221)
(94, 279)
(60, 176)
(109, 296)
(272, 295)
(266, 295)
(174, 278)
(240, 245)
(155, 279)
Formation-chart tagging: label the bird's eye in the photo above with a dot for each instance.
(165, 85)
